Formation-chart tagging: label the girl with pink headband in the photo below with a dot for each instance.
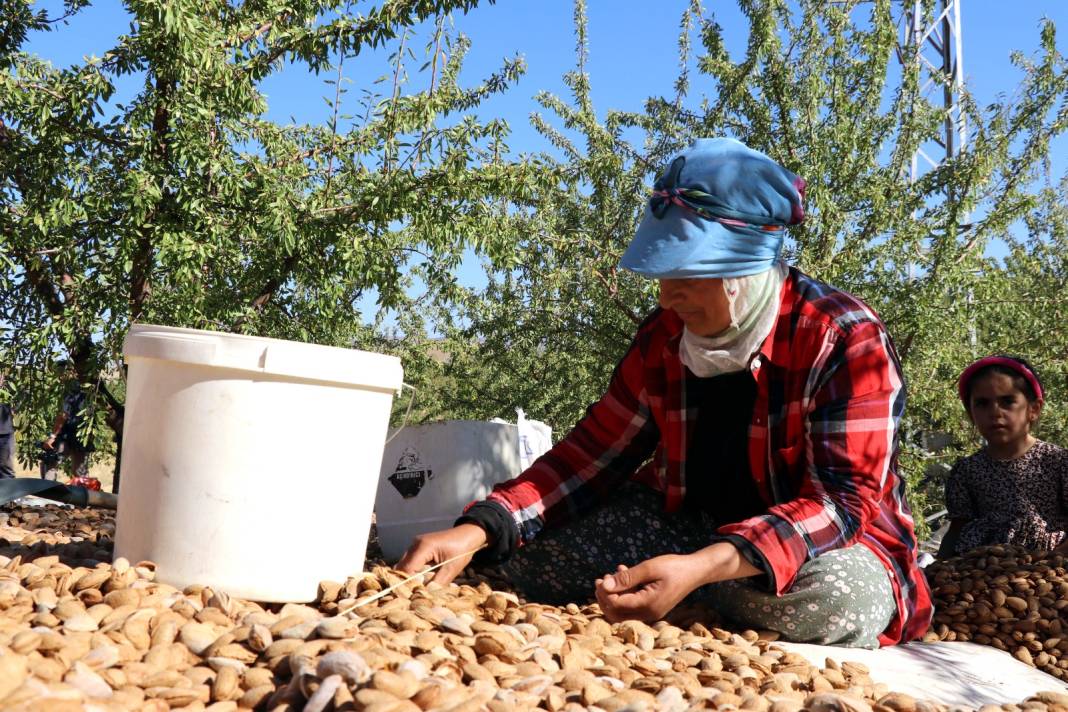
(1015, 489)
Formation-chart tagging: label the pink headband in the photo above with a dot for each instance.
(1009, 363)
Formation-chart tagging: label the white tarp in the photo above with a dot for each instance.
(955, 674)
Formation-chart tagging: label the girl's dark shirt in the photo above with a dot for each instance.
(1023, 502)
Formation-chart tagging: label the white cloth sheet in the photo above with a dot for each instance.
(956, 674)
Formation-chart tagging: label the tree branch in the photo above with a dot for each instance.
(246, 38)
(393, 102)
(140, 274)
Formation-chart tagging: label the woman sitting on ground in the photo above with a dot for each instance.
(764, 405)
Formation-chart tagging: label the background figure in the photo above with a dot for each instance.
(49, 463)
(1013, 490)
(64, 436)
(7, 439)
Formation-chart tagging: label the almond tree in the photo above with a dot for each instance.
(188, 206)
(814, 89)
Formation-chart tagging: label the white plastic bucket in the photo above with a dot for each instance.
(430, 472)
(250, 464)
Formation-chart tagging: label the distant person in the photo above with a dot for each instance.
(7, 439)
(116, 420)
(64, 437)
(1014, 490)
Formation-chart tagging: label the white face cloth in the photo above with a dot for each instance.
(754, 304)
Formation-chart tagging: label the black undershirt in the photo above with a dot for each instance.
(718, 480)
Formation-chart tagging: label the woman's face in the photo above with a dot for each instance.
(1000, 411)
(700, 303)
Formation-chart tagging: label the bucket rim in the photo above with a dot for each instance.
(264, 355)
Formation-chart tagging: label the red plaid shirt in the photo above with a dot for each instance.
(822, 443)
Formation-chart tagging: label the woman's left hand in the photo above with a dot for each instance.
(646, 592)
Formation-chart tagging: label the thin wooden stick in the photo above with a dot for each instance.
(395, 586)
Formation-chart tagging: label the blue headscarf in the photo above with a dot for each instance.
(720, 210)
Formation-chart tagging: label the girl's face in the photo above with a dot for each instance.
(700, 303)
(1000, 411)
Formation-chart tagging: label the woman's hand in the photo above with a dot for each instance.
(435, 547)
(646, 592)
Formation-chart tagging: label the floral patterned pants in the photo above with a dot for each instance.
(842, 597)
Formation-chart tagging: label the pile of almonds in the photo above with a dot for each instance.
(77, 632)
(1007, 597)
(82, 533)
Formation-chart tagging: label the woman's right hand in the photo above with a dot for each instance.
(435, 547)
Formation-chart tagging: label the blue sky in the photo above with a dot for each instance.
(632, 49)
(632, 54)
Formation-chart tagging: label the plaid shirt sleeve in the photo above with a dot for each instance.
(852, 405)
(617, 434)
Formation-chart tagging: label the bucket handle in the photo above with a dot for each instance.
(408, 412)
